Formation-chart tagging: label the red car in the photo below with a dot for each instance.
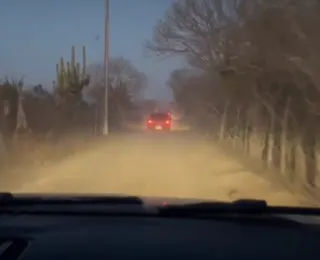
(159, 121)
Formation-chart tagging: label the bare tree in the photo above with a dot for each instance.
(126, 85)
(120, 71)
(262, 59)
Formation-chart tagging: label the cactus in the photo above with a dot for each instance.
(71, 78)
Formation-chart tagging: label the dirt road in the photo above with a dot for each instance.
(171, 165)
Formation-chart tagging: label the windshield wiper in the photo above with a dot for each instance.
(9, 199)
(242, 206)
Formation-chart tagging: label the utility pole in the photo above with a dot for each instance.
(106, 68)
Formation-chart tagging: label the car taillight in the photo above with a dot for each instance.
(167, 122)
(149, 121)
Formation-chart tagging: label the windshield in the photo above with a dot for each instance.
(238, 79)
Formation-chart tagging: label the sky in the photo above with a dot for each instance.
(34, 34)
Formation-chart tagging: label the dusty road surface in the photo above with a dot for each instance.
(153, 164)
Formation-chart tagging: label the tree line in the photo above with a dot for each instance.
(74, 103)
(252, 76)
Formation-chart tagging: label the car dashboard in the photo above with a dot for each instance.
(67, 236)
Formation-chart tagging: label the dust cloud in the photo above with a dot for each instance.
(167, 165)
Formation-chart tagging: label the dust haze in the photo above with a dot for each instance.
(177, 165)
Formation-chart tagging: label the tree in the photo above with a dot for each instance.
(39, 105)
(120, 70)
(191, 27)
(264, 58)
(13, 116)
(126, 85)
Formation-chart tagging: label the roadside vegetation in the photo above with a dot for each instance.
(39, 122)
(252, 77)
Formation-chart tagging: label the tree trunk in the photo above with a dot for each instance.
(269, 141)
(284, 139)
(222, 131)
(309, 148)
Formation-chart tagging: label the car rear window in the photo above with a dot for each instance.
(159, 116)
